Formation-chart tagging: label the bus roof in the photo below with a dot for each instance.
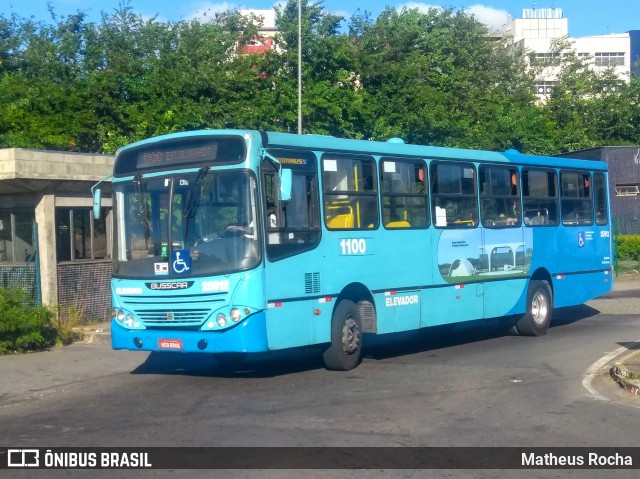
(393, 147)
(322, 142)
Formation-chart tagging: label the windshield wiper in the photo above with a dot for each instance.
(190, 202)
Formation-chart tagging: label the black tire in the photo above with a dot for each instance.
(536, 321)
(346, 338)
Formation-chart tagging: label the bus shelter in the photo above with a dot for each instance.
(49, 241)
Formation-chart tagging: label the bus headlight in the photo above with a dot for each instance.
(235, 315)
(120, 316)
(221, 319)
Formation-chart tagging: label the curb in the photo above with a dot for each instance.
(95, 334)
(627, 380)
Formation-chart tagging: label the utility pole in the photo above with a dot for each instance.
(299, 67)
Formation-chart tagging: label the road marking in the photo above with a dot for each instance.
(597, 367)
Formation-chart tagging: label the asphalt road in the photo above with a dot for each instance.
(477, 387)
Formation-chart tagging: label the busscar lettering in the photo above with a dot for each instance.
(178, 285)
(401, 301)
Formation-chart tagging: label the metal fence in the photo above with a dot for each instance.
(25, 276)
(84, 290)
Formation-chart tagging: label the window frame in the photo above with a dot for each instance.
(342, 205)
(466, 223)
(566, 200)
(497, 197)
(600, 198)
(528, 200)
(302, 163)
(71, 212)
(11, 232)
(421, 164)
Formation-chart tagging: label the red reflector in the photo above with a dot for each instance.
(278, 304)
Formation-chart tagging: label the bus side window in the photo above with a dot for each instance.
(499, 196)
(453, 188)
(292, 226)
(350, 194)
(540, 197)
(404, 194)
(576, 204)
(600, 198)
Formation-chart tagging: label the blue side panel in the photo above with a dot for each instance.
(569, 290)
(602, 283)
(585, 250)
(545, 249)
(249, 336)
(504, 298)
(452, 304)
(398, 311)
(293, 323)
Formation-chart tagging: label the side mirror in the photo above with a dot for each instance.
(285, 184)
(97, 196)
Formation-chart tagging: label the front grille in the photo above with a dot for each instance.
(172, 310)
(170, 317)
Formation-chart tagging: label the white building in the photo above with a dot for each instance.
(539, 31)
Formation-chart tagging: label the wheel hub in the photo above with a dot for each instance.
(539, 308)
(350, 336)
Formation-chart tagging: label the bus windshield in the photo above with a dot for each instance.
(195, 223)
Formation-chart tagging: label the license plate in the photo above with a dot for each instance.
(172, 344)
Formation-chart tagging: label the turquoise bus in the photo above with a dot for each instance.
(238, 241)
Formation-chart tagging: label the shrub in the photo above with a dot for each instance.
(23, 327)
(627, 247)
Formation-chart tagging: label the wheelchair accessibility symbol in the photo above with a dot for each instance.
(580, 239)
(180, 261)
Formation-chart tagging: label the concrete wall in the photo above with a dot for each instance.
(53, 165)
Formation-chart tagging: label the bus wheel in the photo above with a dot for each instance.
(537, 319)
(346, 338)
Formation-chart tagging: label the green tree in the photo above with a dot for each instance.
(332, 94)
(589, 107)
(438, 78)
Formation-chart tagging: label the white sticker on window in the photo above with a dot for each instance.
(330, 165)
(389, 166)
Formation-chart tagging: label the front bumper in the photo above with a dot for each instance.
(250, 336)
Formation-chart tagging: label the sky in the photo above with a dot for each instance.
(585, 17)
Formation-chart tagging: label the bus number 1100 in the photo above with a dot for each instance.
(353, 246)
